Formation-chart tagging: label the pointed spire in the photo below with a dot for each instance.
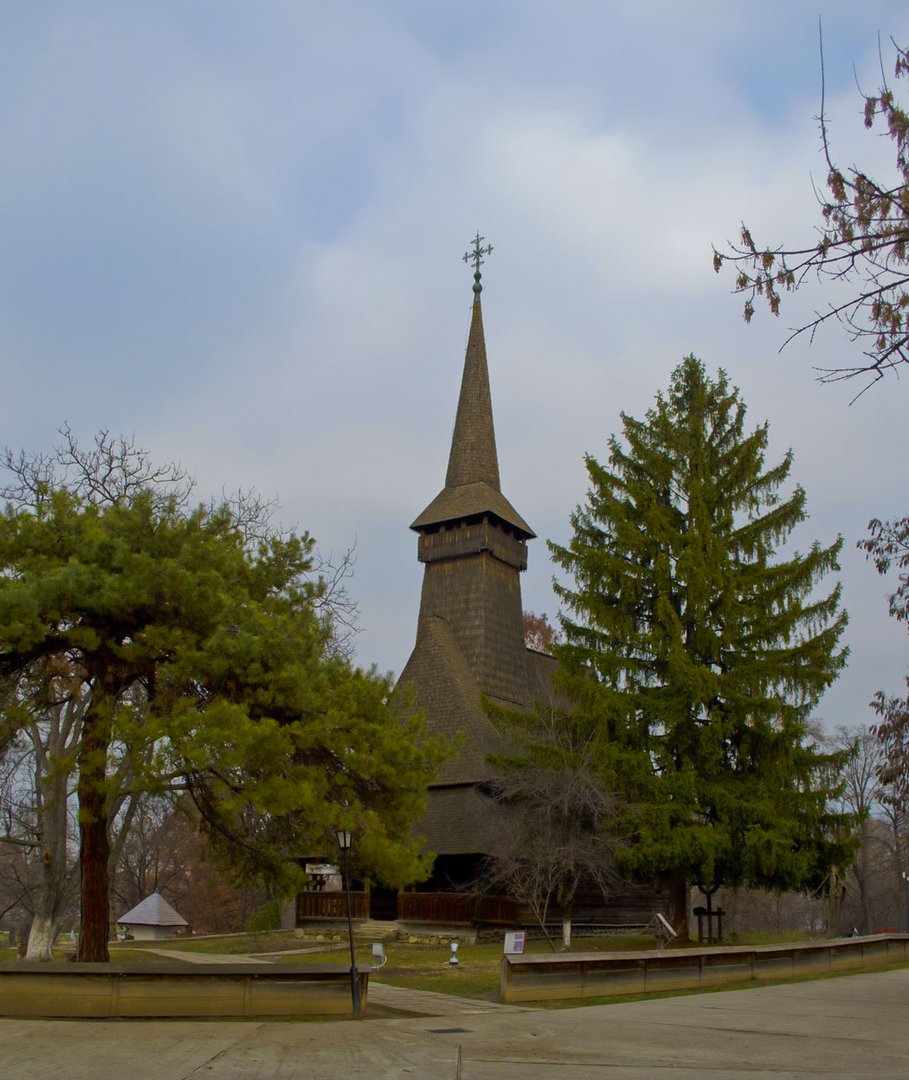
(472, 485)
(473, 454)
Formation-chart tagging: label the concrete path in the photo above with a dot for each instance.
(190, 957)
(205, 958)
(851, 1027)
(430, 1003)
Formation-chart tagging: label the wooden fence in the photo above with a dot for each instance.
(415, 907)
(421, 907)
(331, 905)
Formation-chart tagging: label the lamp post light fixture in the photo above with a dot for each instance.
(344, 838)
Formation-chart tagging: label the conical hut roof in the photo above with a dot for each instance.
(154, 910)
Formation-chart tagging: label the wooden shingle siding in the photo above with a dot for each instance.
(473, 539)
(470, 631)
(479, 597)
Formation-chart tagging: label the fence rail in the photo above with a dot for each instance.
(416, 907)
(331, 905)
(456, 908)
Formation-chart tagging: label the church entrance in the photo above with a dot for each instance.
(383, 903)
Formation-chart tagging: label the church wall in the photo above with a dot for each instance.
(450, 542)
(480, 598)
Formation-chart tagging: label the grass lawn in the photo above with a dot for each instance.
(412, 966)
(229, 944)
(127, 954)
(426, 967)
(417, 967)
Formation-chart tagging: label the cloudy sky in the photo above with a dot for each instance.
(234, 230)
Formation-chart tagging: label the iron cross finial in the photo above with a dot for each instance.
(477, 258)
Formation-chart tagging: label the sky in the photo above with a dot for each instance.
(233, 232)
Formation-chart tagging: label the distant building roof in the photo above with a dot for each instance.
(154, 910)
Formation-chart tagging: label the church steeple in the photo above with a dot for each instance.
(473, 457)
(472, 487)
(473, 543)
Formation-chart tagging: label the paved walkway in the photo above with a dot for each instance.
(206, 958)
(851, 1027)
(430, 1003)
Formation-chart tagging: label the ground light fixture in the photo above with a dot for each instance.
(453, 960)
(344, 842)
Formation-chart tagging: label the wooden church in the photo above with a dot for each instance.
(470, 631)
(470, 644)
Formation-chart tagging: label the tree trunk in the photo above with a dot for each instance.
(94, 850)
(51, 783)
(835, 897)
(566, 894)
(678, 905)
(95, 923)
(41, 937)
(861, 870)
(48, 897)
(902, 887)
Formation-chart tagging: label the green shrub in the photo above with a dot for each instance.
(266, 917)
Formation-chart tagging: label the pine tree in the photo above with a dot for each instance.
(197, 637)
(697, 652)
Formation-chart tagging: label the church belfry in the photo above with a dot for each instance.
(470, 632)
(472, 541)
(469, 653)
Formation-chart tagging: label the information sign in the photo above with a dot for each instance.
(514, 941)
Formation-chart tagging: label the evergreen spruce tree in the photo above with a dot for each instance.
(697, 653)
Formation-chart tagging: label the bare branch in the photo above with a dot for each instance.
(334, 600)
(864, 241)
(111, 471)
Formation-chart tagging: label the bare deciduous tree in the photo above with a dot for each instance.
(888, 548)
(554, 837)
(863, 242)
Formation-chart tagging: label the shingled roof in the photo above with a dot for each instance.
(472, 486)
(459, 819)
(460, 816)
(470, 634)
(154, 910)
(447, 690)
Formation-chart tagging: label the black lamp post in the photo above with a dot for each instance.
(344, 844)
